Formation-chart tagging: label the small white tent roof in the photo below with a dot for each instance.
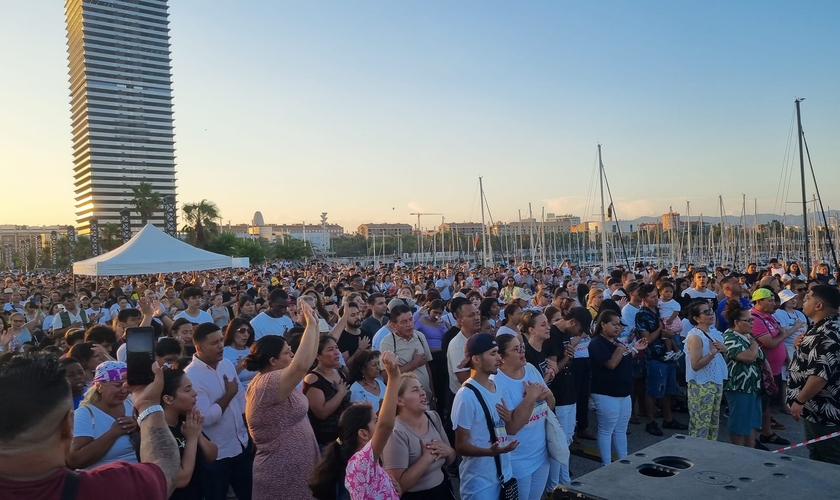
(151, 251)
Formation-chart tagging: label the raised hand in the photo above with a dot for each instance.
(392, 364)
(145, 307)
(6, 337)
(305, 310)
(641, 344)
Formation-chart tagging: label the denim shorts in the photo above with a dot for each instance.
(661, 378)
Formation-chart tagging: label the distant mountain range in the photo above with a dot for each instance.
(793, 220)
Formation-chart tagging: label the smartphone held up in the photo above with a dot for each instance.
(140, 354)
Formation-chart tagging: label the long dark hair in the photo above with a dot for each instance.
(234, 325)
(171, 382)
(263, 351)
(329, 471)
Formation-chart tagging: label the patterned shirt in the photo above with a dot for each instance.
(743, 377)
(818, 355)
(647, 320)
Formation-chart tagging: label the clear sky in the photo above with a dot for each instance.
(371, 110)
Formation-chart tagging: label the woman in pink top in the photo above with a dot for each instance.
(354, 457)
(276, 412)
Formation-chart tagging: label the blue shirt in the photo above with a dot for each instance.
(723, 325)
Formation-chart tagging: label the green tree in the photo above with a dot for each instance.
(110, 236)
(146, 202)
(200, 219)
(288, 248)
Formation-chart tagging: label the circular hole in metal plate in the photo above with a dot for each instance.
(780, 475)
(731, 488)
(787, 459)
(624, 461)
(640, 455)
(576, 483)
(653, 470)
(770, 464)
(674, 462)
(679, 436)
(745, 479)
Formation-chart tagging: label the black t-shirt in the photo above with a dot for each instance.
(617, 382)
(751, 278)
(448, 336)
(349, 342)
(537, 358)
(194, 490)
(563, 385)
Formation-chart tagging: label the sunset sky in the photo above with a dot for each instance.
(372, 110)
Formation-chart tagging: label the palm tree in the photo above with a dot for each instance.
(146, 202)
(200, 218)
(110, 236)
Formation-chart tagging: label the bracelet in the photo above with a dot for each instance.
(797, 401)
(634, 350)
(148, 411)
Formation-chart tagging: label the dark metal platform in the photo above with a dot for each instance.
(683, 467)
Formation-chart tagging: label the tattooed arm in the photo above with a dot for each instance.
(157, 445)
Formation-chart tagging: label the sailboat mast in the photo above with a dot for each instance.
(603, 215)
(688, 215)
(483, 225)
(804, 200)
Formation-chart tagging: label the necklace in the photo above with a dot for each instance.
(372, 385)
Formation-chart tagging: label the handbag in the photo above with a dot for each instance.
(768, 383)
(510, 488)
(555, 440)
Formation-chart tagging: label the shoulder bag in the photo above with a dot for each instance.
(510, 489)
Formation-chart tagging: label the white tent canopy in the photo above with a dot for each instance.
(152, 251)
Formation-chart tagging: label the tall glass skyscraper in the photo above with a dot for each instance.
(121, 105)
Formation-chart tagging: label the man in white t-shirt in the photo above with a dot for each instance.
(444, 286)
(468, 320)
(628, 313)
(273, 321)
(479, 479)
(96, 314)
(193, 295)
(699, 290)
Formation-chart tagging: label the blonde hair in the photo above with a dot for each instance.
(91, 396)
(404, 378)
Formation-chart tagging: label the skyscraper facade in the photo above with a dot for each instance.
(121, 105)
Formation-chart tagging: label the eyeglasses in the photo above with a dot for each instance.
(707, 312)
(243, 329)
(519, 348)
(751, 320)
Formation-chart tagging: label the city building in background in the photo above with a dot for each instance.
(369, 230)
(671, 221)
(121, 106)
(318, 235)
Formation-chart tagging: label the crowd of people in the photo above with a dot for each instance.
(329, 381)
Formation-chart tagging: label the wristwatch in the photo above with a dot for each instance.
(148, 411)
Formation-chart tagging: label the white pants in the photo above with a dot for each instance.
(532, 487)
(559, 474)
(613, 416)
